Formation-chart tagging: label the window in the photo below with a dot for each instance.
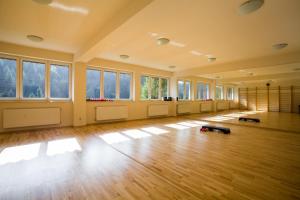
(92, 83)
(202, 91)
(8, 74)
(125, 85)
(33, 76)
(184, 90)
(153, 87)
(164, 87)
(230, 93)
(144, 87)
(110, 79)
(114, 84)
(219, 92)
(59, 81)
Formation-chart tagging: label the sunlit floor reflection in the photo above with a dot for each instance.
(114, 137)
(62, 146)
(18, 153)
(198, 122)
(236, 115)
(154, 130)
(188, 124)
(177, 126)
(218, 118)
(136, 134)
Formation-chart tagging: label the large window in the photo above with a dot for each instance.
(230, 93)
(219, 92)
(8, 74)
(110, 79)
(184, 90)
(33, 76)
(116, 85)
(153, 87)
(59, 81)
(125, 85)
(202, 91)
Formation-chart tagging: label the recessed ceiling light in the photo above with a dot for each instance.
(35, 38)
(172, 67)
(211, 59)
(162, 41)
(280, 46)
(44, 2)
(250, 6)
(217, 77)
(124, 56)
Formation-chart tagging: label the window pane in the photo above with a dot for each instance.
(230, 93)
(219, 92)
(207, 91)
(164, 87)
(33, 79)
(187, 90)
(8, 70)
(92, 83)
(125, 85)
(154, 87)
(180, 85)
(110, 79)
(59, 83)
(202, 91)
(144, 87)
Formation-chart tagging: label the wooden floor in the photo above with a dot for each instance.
(154, 159)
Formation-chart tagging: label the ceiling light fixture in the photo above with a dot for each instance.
(162, 41)
(280, 46)
(34, 38)
(296, 69)
(172, 67)
(124, 56)
(217, 77)
(44, 2)
(211, 59)
(250, 6)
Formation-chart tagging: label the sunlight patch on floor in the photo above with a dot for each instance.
(236, 115)
(218, 118)
(18, 153)
(155, 130)
(114, 137)
(62, 146)
(189, 124)
(136, 134)
(177, 126)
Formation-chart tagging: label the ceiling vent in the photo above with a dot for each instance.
(250, 6)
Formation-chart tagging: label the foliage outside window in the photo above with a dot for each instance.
(202, 91)
(59, 81)
(230, 93)
(93, 83)
(153, 87)
(8, 74)
(219, 92)
(184, 90)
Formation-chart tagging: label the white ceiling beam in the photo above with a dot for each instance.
(261, 62)
(91, 48)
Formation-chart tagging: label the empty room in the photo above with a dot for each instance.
(149, 99)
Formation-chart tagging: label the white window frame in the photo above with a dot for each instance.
(49, 81)
(159, 87)
(207, 90)
(184, 90)
(118, 72)
(222, 92)
(46, 79)
(17, 78)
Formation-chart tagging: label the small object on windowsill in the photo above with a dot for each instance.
(167, 98)
(98, 99)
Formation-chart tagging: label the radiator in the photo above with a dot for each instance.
(206, 107)
(19, 117)
(183, 108)
(158, 110)
(223, 105)
(111, 112)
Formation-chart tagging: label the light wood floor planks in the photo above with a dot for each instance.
(154, 159)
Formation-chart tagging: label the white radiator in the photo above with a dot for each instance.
(206, 107)
(111, 112)
(23, 117)
(158, 110)
(223, 105)
(183, 108)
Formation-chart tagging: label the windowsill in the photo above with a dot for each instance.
(34, 100)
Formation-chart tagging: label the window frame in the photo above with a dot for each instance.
(49, 81)
(207, 90)
(222, 92)
(150, 87)
(8, 57)
(118, 72)
(184, 90)
(46, 79)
